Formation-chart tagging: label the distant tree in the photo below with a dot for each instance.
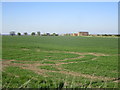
(33, 33)
(38, 33)
(109, 34)
(12, 33)
(44, 34)
(19, 34)
(118, 35)
(104, 35)
(54, 34)
(25, 33)
(47, 34)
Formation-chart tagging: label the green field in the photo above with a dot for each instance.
(59, 62)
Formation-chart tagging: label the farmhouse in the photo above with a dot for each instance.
(80, 34)
(77, 34)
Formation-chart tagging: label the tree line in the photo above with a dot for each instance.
(12, 33)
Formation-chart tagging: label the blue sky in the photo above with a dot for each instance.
(60, 17)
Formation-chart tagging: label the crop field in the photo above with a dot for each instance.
(59, 62)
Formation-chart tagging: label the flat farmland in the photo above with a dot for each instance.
(59, 62)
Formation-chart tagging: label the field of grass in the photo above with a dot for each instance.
(59, 62)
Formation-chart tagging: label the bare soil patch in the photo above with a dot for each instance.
(34, 66)
(25, 49)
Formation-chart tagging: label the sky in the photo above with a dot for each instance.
(60, 17)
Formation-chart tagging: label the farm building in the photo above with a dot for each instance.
(83, 33)
(75, 34)
(80, 34)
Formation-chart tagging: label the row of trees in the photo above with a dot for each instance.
(12, 33)
(107, 35)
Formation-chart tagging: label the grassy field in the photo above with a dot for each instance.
(59, 62)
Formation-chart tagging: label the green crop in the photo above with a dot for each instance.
(59, 62)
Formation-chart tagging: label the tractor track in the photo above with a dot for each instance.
(33, 66)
